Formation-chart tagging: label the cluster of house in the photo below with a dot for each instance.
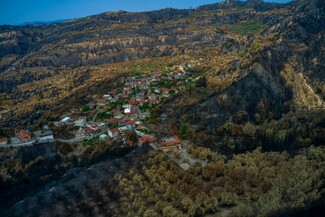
(169, 144)
(24, 136)
(139, 90)
(126, 108)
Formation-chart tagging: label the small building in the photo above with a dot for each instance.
(141, 126)
(62, 122)
(185, 166)
(91, 130)
(138, 122)
(151, 96)
(107, 97)
(103, 136)
(130, 125)
(3, 141)
(169, 144)
(113, 133)
(122, 129)
(80, 122)
(65, 120)
(101, 125)
(91, 124)
(23, 135)
(74, 110)
(80, 134)
(165, 90)
(48, 138)
(146, 140)
(115, 112)
(127, 108)
(165, 95)
(113, 121)
(101, 103)
(133, 102)
(121, 122)
(45, 127)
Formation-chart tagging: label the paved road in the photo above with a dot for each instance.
(33, 142)
(93, 119)
(30, 143)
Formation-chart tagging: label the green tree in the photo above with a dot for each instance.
(184, 130)
(86, 108)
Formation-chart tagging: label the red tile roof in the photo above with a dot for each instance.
(112, 121)
(131, 123)
(141, 126)
(174, 140)
(146, 139)
(114, 111)
(24, 132)
(133, 102)
(23, 135)
(90, 130)
(114, 130)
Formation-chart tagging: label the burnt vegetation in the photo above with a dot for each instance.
(254, 116)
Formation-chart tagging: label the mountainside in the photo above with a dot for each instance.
(42, 54)
(247, 106)
(285, 76)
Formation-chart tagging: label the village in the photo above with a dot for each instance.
(119, 115)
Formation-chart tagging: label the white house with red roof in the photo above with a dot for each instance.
(112, 121)
(113, 133)
(23, 135)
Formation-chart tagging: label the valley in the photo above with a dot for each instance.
(212, 111)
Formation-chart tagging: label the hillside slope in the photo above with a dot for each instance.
(251, 121)
(284, 77)
(35, 58)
